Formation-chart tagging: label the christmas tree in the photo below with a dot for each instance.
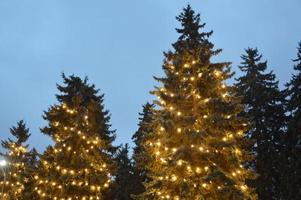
(140, 157)
(291, 153)
(197, 143)
(16, 183)
(264, 106)
(79, 164)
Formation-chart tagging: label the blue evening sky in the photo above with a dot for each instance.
(118, 44)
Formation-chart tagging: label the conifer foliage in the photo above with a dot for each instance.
(292, 148)
(264, 107)
(79, 164)
(17, 181)
(196, 145)
(140, 157)
(125, 182)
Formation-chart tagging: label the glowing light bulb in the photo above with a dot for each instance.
(243, 187)
(186, 65)
(240, 133)
(179, 162)
(217, 73)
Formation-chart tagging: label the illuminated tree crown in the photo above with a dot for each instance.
(197, 141)
(79, 164)
(16, 183)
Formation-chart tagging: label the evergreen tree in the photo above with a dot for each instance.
(292, 176)
(33, 166)
(17, 182)
(125, 182)
(263, 101)
(79, 164)
(140, 156)
(197, 143)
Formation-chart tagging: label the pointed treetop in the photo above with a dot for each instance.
(76, 87)
(145, 117)
(20, 132)
(123, 153)
(251, 61)
(191, 23)
(293, 89)
(298, 59)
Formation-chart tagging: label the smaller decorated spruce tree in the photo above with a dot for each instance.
(17, 181)
(292, 149)
(79, 164)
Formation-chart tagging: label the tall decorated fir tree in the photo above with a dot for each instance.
(79, 164)
(197, 143)
(291, 153)
(264, 106)
(17, 181)
(140, 156)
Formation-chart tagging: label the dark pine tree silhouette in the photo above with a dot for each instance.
(125, 181)
(196, 146)
(140, 156)
(292, 173)
(264, 106)
(80, 163)
(17, 183)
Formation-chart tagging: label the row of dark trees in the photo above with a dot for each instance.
(83, 163)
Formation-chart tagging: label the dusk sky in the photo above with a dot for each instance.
(118, 44)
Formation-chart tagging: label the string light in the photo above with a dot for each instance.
(186, 65)
(217, 73)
